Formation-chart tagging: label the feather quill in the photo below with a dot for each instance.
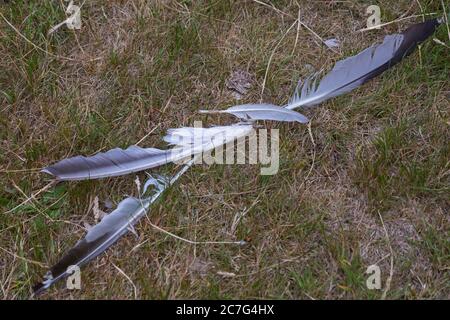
(352, 72)
(115, 162)
(97, 240)
(202, 139)
(104, 234)
(187, 141)
(262, 112)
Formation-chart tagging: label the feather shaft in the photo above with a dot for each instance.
(105, 234)
(133, 159)
(262, 111)
(354, 71)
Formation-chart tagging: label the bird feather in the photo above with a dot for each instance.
(352, 72)
(115, 162)
(104, 234)
(262, 112)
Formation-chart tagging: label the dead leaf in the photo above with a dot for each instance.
(201, 267)
(108, 204)
(86, 226)
(98, 213)
(226, 274)
(332, 43)
(138, 184)
(239, 83)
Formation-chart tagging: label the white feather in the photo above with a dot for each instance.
(262, 111)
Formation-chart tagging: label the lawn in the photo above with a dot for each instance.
(368, 182)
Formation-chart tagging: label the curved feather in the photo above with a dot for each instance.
(96, 241)
(107, 231)
(262, 112)
(352, 72)
(115, 162)
(187, 141)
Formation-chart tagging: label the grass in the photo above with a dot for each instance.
(313, 229)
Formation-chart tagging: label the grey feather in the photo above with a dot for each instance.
(263, 112)
(97, 240)
(115, 162)
(105, 233)
(352, 72)
(188, 142)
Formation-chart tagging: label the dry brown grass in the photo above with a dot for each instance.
(313, 228)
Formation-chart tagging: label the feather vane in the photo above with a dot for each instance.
(253, 112)
(187, 141)
(352, 72)
(104, 234)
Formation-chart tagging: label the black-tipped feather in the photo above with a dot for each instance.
(115, 162)
(352, 72)
(105, 233)
(119, 161)
(96, 241)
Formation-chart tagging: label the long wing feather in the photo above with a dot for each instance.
(352, 72)
(188, 141)
(262, 111)
(117, 161)
(107, 232)
(97, 240)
